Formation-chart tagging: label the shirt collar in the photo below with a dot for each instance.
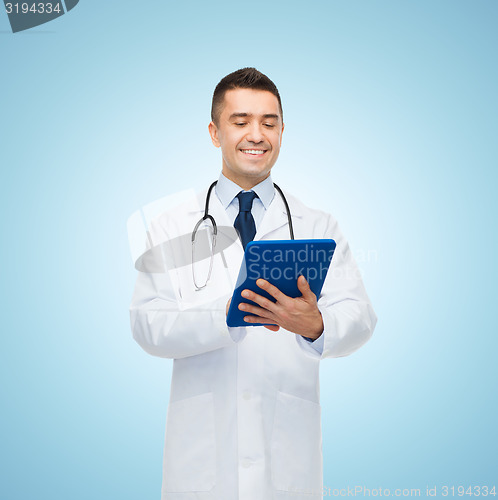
(227, 190)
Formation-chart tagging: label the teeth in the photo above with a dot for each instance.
(253, 151)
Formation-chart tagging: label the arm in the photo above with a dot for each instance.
(338, 324)
(347, 314)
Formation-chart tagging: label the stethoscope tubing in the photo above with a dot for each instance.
(207, 216)
(211, 218)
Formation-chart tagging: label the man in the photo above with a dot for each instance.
(244, 415)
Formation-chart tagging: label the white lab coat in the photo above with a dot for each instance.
(243, 419)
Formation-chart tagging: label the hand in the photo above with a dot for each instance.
(298, 315)
(270, 327)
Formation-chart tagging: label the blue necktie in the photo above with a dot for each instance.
(244, 223)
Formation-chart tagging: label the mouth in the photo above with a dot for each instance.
(253, 152)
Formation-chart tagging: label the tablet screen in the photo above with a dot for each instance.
(280, 262)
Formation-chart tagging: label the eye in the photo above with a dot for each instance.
(241, 124)
(269, 125)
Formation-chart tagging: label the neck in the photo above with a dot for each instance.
(246, 183)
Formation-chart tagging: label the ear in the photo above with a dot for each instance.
(281, 134)
(213, 132)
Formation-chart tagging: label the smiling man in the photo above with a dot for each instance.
(247, 125)
(244, 418)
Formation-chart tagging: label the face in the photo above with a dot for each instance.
(249, 134)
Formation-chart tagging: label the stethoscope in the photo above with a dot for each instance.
(209, 217)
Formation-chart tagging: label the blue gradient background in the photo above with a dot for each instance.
(390, 110)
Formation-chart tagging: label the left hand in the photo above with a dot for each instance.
(298, 315)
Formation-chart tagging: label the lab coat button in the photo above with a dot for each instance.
(246, 463)
(246, 395)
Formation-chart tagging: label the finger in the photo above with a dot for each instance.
(259, 319)
(305, 289)
(259, 299)
(259, 311)
(272, 290)
(273, 328)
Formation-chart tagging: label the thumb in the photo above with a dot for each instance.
(304, 288)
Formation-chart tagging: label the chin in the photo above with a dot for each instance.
(256, 174)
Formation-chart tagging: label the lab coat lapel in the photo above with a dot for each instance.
(218, 212)
(274, 218)
(233, 253)
(224, 225)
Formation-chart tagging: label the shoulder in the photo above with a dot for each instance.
(177, 217)
(314, 223)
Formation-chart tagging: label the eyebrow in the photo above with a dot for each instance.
(246, 115)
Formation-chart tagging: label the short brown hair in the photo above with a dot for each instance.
(245, 78)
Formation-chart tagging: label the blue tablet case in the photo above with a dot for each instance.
(280, 262)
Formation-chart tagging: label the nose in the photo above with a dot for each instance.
(255, 133)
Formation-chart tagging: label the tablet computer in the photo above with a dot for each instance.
(280, 262)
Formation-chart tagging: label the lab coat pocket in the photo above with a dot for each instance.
(296, 445)
(190, 448)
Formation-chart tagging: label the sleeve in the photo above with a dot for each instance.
(162, 327)
(348, 317)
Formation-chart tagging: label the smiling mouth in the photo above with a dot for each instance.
(254, 152)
